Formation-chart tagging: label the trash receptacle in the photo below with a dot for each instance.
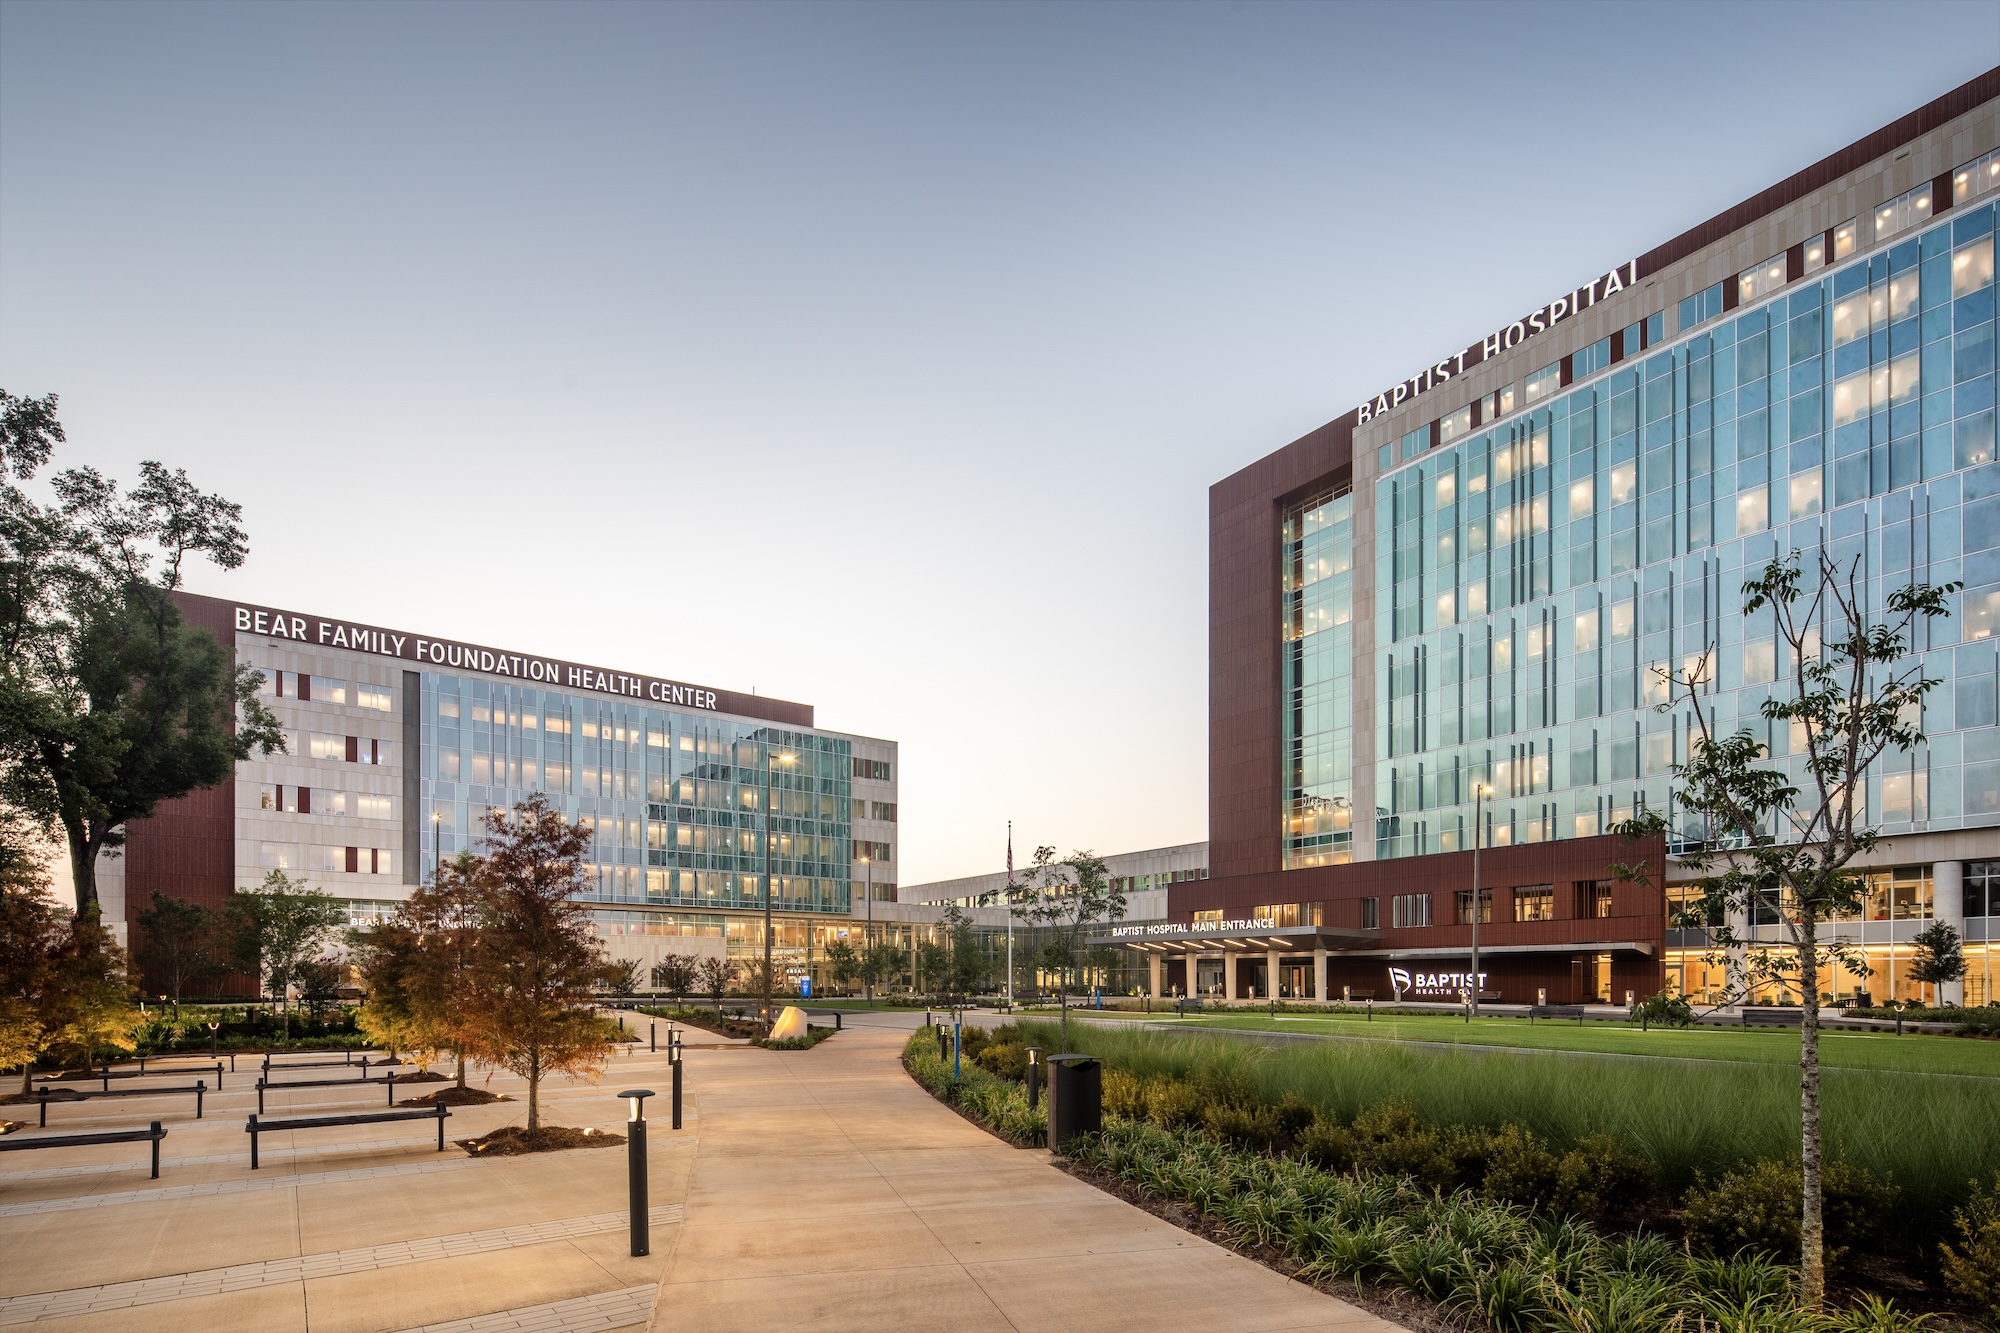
(1076, 1098)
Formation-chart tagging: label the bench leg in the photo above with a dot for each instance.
(440, 1107)
(199, 1088)
(253, 1143)
(158, 1134)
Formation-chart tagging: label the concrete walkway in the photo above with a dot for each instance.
(815, 1189)
(830, 1192)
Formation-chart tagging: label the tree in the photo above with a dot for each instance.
(62, 977)
(881, 963)
(843, 964)
(536, 963)
(180, 943)
(1068, 897)
(109, 702)
(965, 967)
(318, 982)
(933, 962)
(277, 928)
(1777, 842)
(1940, 957)
(623, 978)
(715, 973)
(675, 974)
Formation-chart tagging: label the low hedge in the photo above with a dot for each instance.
(977, 1093)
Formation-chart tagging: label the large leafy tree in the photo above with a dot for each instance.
(180, 943)
(62, 977)
(536, 962)
(1066, 897)
(109, 701)
(415, 964)
(278, 929)
(1776, 842)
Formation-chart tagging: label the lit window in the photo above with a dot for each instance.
(1447, 490)
(1903, 212)
(1760, 662)
(1972, 267)
(372, 696)
(1497, 404)
(324, 746)
(1544, 382)
(1447, 607)
(1902, 296)
(1454, 424)
(324, 859)
(1845, 237)
(1621, 621)
(1851, 318)
(1816, 254)
(1981, 612)
(372, 807)
(1905, 378)
(1753, 512)
(327, 690)
(1624, 481)
(277, 856)
(1850, 399)
(1806, 494)
(1975, 178)
(1767, 277)
(1586, 631)
(1582, 498)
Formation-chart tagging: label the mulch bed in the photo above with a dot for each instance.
(453, 1096)
(514, 1140)
(31, 1098)
(422, 1076)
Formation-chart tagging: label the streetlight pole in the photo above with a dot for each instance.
(767, 878)
(1479, 792)
(437, 864)
(1010, 916)
(868, 939)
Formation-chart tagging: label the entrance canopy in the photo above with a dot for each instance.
(1177, 938)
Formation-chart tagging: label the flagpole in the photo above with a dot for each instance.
(1010, 914)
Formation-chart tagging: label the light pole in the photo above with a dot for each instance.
(868, 938)
(783, 759)
(1010, 916)
(437, 865)
(1480, 792)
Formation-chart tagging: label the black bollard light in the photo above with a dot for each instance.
(635, 1158)
(1034, 1077)
(943, 1051)
(677, 1094)
(653, 1037)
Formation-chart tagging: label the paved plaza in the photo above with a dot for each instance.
(819, 1189)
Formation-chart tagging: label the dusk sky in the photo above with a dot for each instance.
(877, 357)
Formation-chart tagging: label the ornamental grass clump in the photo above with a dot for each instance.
(1487, 1261)
(983, 1097)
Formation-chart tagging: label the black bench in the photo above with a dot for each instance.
(199, 1088)
(1754, 1017)
(1536, 1011)
(258, 1126)
(105, 1075)
(15, 1143)
(264, 1084)
(1183, 1003)
(270, 1065)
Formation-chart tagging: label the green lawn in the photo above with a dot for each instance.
(1911, 1053)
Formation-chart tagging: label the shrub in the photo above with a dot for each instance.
(1597, 1177)
(1972, 1267)
(1756, 1208)
(1124, 1095)
(1329, 1145)
(1007, 1059)
(1665, 1010)
(1521, 1169)
(1171, 1104)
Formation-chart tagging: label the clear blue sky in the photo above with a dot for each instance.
(878, 357)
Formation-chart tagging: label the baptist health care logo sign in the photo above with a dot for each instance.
(1439, 985)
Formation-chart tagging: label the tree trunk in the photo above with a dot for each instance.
(1812, 1224)
(83, 869)
(534, 1092)
(461, 1071)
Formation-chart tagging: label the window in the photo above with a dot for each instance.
(1585, 639)
(362, 750)
(859, 808)
(1593, 898)
(1846, 237)
(1544, 382)
(1753, 511)
(374, 696)
(1816, 253)
(1497, 404)
(1454, 424)
(1982, 888)
(1760, 661)
(1903, 212)
(1410, 911)
(1697, 309)
(871, 851)
(1624, 482)
(1592, 358)
(1414, 443)
(277, 856)
(372, 807)
(323, 746)
(1762, 280)
(1371, 913)
(1975, 178)
(1972, 267)
(325, 859)
(876, 770)
(884, 810)
(1535, 903)
(1851, 317)
(1805, 495)
(325, 690)
(1462, 907)
(1980, 608)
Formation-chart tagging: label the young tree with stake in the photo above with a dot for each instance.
(1068, 897)
(1780, 846)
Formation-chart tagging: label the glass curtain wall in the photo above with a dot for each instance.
(1318, 554)
(675, 800)
(1531, 580)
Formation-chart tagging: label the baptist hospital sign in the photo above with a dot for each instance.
(1447, 985)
